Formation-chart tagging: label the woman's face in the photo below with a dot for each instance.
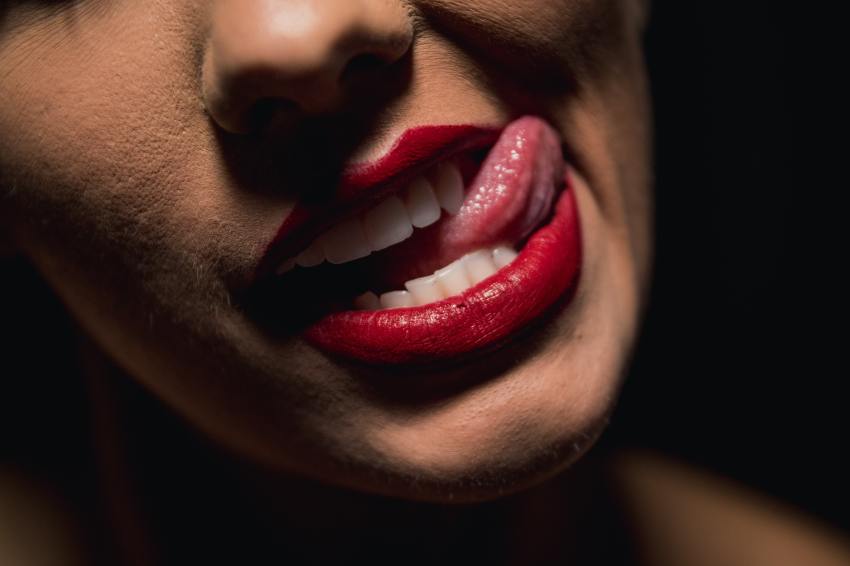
(162, 161)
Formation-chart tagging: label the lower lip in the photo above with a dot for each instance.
(485, 315)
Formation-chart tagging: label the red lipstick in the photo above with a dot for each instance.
(521, 195)
(523, 170)
(486, 314)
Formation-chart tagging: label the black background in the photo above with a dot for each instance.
(735, 370)
(729, 372)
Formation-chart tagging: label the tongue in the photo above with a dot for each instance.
(510, 195)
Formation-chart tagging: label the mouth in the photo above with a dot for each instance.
(451, 244)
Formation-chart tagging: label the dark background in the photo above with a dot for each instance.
(732, 371)
(729, 373)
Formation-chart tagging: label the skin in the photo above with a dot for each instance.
(141, 173)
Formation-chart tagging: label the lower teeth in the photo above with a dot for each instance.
(446, 282)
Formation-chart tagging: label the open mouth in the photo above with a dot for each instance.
(458, 257)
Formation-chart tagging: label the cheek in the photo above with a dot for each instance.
(99, 165)
(104, 140)
(597, 46)
(83, 126)
(560, 35)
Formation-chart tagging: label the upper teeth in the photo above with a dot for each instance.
(388, 223)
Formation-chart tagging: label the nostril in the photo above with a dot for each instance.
(266, 111)
(362, 64)
(260, 113)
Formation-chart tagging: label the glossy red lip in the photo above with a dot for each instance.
(362, 184)
(486, 314)
(547, 268)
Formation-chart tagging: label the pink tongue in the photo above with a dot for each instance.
(510, 196)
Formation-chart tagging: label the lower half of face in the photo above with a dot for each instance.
(150, 219)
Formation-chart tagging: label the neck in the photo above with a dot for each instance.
(178, 497)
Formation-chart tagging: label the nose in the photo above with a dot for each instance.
(295, 56)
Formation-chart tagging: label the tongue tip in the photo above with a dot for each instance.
(510, 196)
(515, 187)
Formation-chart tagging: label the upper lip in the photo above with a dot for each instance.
(362, 184)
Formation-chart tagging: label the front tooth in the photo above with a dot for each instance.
(480, 266)
(448, 186)
(313, 255)
(425, 290)
(345, 242)
(368, 301)
(396, 299)
(503, 255)
(452, 278)
(421, 203)
(387, 224)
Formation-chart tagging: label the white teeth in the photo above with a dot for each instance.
(425, 290)
(453, 279)
(390, 222)
(395, 299)
(480, 266)
(345, 242)
(368, 301)
(448, 186)
(313, 255)
(421, 203)
(503, 255)
(448, 281)
(387, 224)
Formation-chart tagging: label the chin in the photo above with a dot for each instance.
(499, 454)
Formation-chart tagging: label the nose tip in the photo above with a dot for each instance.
(295, 55)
